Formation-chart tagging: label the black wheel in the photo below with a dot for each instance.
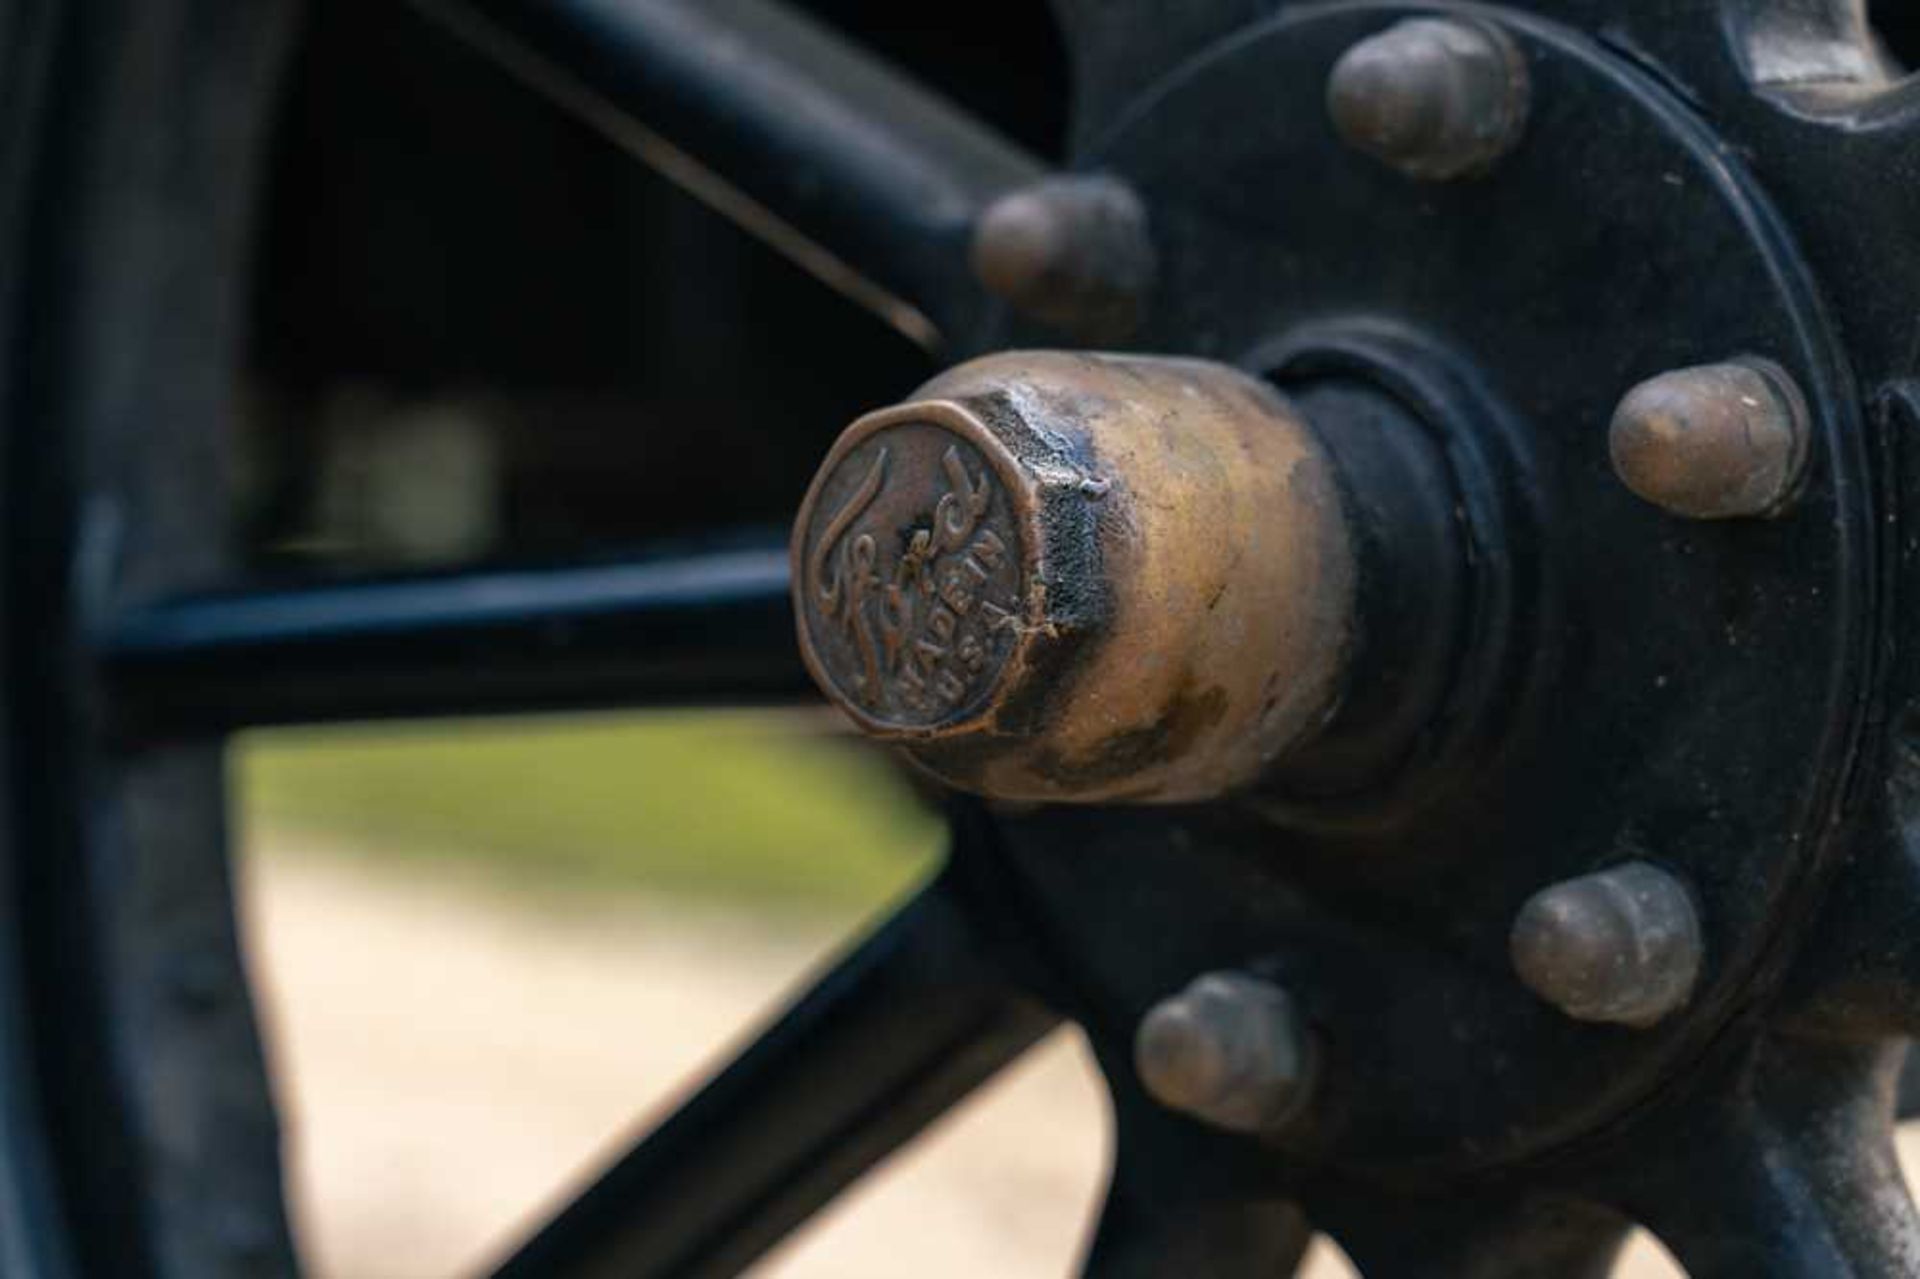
(1576, 894)
(140, 1136)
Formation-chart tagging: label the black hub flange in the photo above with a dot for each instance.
(1686, 693)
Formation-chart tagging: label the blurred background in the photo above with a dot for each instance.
(488, 954)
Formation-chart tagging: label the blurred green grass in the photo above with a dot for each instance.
(738, 807)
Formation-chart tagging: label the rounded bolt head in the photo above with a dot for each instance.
(1229, 1050)
(1718, 441)
(1622, 946)
(1436, 98)
(1071, 252)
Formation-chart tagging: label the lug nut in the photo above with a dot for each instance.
(1436, 98)
(1229, 1050)
(1071, 252)
(1621, 946)
(1713, 442)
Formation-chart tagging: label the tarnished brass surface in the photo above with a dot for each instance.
(1718, 441)
(1071, 251)
(1436, 98)
(1080, 577)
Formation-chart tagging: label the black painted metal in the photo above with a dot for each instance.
(1515, 1234)
(909, 1022)
(1185, 1200)
(46, 1166)
(1610, 610)
(676, 627)
(859, 174)
(1776, 1159)
(1177, 1234)
(123, 235)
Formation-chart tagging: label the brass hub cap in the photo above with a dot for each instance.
(911, 584)
(1078, 577)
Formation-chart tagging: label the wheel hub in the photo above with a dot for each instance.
(1523, 691)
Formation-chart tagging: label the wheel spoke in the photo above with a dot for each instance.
(1185, 1199)
(672, 627)
(1231, 1238)
(860, 175)
(1464, 1239)
(1858, 975)
(1907, 1095)
(913, 1019)
(1791, 1174)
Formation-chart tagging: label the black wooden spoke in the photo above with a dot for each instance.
(862, 176)
(1186, 1199)
(674, 627)
(1500, 1238)
(1142, 1235)
(1793, 1173)
(908, 1023)
(1858, 975)
(1254, 1239)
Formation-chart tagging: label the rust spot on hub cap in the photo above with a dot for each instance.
(1068, 577)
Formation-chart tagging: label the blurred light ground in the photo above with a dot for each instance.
(753, 809)
(489, 953)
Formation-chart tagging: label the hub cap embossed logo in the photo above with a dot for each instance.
(911, 575)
